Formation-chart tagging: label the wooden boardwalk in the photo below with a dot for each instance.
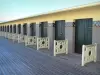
(16, 59)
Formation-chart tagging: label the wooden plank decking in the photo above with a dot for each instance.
(16, 59)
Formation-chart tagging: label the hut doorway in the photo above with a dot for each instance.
(32, 29)
(83, 33)
(10, 28)
(7, 28)
(19, 29)
(43, 29)
(25, 29)
(59, 30)
(14, 29)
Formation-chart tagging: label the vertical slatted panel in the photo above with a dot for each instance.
(3, 28)
(33, 29)
(88, 31)
(19, 28)
(14, 28)
(45, 25)
(83, 33)
(60, 30)
(10, 28)
(43, 29)
(7, 28)
(25, 29)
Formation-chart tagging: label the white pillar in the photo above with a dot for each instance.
(28, 29)
(51, 35)
(83, 48)
(22, 33)
(16, 29)
(37, 30)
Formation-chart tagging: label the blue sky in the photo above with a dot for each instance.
(14, 9)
